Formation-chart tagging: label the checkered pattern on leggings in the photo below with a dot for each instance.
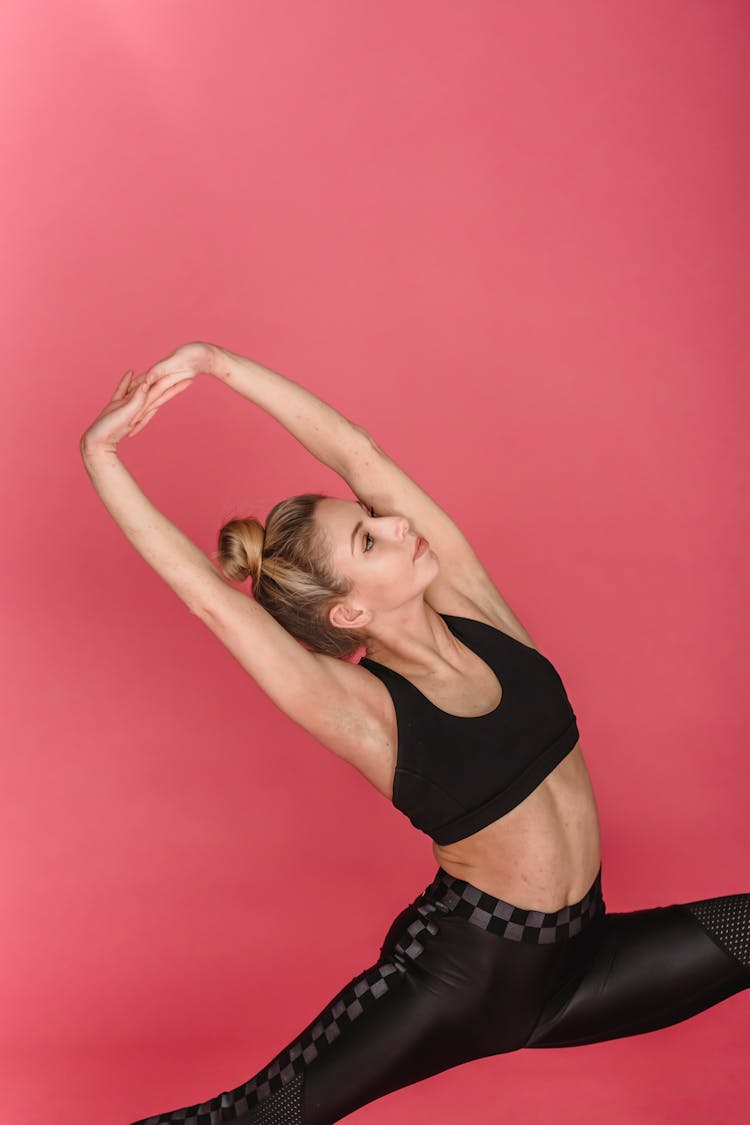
(462, 899)
(289, 1066)
(274, 1095)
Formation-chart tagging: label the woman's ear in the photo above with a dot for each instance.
(345, 616)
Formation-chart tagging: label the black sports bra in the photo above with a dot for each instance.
(457, 774)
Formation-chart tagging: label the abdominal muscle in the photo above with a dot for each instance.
(542, 855)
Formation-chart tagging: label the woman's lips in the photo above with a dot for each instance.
(421, 547)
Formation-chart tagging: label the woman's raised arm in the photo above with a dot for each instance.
(303, 684)
(174, 556)
(181, 564)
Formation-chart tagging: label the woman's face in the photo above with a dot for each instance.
(376, 553)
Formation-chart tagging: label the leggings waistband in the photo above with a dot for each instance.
(453, 896)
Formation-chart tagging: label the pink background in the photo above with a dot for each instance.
(511, 241)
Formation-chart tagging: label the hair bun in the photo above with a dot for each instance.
(240, 550)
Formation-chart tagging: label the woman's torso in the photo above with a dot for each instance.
(544, 853)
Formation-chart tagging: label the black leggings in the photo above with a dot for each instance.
(462, 975)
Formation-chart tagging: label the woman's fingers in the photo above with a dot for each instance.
(143, 420)
(157, 384)
(149, 409)
(153, 375)
(155, 397)
(167, 393)
(122, 386)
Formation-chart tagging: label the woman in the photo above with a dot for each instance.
(459, 719)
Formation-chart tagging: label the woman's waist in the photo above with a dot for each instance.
(533, 881)
(542, 855)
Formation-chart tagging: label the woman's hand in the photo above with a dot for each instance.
(170, 376)
(116, 419)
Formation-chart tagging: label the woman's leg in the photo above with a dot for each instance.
(461, 975)
(648, 969)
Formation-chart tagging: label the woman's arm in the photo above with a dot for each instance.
(331, 438)
(295, 679)
(181, 564)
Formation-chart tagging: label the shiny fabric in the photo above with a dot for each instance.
(462, 975)
(456, 774)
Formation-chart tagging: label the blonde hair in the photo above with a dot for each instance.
(292, 575)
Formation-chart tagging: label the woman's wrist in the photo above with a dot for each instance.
(92, 451)
(201, 357)
(223, 364)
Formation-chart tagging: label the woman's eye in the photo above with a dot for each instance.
(367, 536)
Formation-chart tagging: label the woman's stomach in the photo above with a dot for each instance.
(542, 855)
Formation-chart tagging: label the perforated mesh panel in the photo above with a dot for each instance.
(282, 1108)
(727, 919)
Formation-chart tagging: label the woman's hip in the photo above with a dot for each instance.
(481, 965)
